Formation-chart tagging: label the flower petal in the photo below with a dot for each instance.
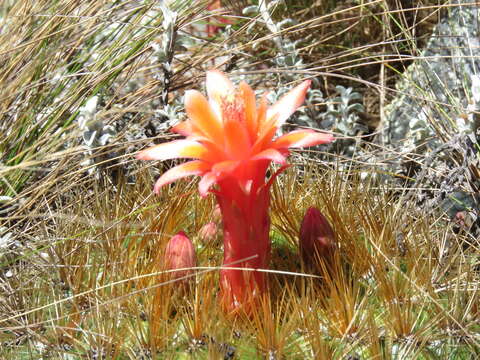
(202, 116)
(208, 180)
(248, 97)
(174, 149)
(195, 167)
(301, 138)
(261, 113)
(266, 135)
(212, 151)
(225, 167)
(271, 154)
(237, 142)
(287, 105)
(184, 128)
(218, 85)
(219, 89)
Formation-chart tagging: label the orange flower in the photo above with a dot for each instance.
(232, 143)
(228, 135)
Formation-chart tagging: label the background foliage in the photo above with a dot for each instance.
(85, 84)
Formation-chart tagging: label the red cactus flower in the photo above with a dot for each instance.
(232, 143)
(180, 254)
(317, 238)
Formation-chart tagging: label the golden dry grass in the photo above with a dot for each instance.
(82, 273)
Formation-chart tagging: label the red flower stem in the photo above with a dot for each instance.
(246, 227)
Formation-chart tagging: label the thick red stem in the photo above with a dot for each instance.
(246, 226)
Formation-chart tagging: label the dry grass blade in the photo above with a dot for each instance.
(85, 84)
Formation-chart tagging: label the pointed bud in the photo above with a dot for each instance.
(208, 232)
(316, 236)
(217, 214)
(180, 254)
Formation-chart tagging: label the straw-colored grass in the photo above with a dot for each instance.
(83, 236)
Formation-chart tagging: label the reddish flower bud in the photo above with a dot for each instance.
(180, 254)
(217, 214)
(208, 232)
(317, 238)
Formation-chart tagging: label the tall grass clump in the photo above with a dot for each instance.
(86, 85)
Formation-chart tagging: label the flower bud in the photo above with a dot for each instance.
(208, 232)
(317, 238)
(180, 254)
(217, 214)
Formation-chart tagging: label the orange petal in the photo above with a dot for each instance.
(225, 167)
(301, 138)
(174, 149)
(271, 154)
(214, 152)
(208, 180)
(250, 109)
(218, 85)
(266, 135)
(184, 128)
(237, 143)
(261, 113)
(287, 105)
(202, 117)
(195, 167)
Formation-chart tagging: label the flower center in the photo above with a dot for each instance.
(233, 109)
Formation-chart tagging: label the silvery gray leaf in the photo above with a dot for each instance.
(250, 10)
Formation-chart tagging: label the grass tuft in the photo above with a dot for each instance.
(82, 237)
